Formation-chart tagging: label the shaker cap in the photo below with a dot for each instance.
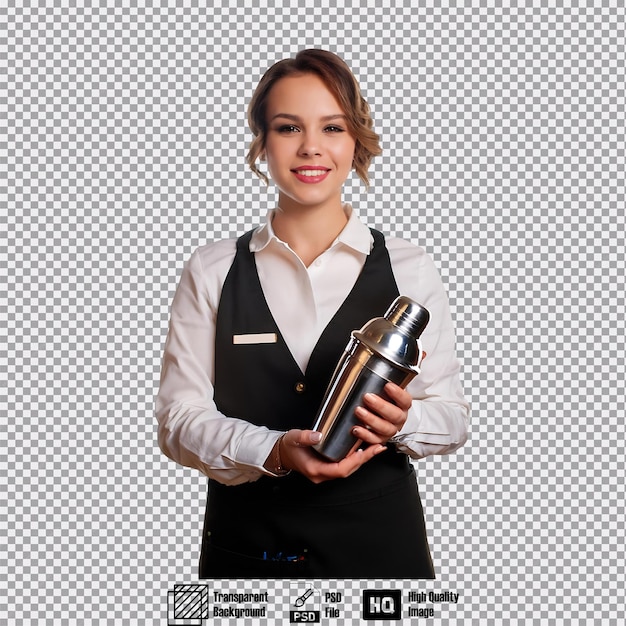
(409, 316)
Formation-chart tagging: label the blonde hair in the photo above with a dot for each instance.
(340, 81)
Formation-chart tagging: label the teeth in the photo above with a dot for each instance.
(311, 172)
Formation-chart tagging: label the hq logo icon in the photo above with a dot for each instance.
(382, 604)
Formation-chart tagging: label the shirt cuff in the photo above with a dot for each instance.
(255, 448)
(416, 428)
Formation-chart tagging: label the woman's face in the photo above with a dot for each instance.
(308, 148)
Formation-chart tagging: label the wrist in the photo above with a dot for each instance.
(274, 463)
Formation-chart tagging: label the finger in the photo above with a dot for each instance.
(371, 436)
(378, 412)
(319, 471)
(354, 461)
(302, 438)
(400, 397)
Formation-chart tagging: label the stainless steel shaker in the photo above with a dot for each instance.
(386, 349)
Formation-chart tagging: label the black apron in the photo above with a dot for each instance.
(369, 525)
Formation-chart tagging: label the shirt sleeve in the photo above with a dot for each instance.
(438, 420)
(191, 431)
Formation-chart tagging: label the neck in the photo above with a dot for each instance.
(311, 231)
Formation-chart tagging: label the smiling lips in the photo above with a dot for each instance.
(311, 173)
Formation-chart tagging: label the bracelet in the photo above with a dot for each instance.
(279, 470)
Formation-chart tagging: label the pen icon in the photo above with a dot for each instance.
(303, 598)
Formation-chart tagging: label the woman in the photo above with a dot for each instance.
(257, 327)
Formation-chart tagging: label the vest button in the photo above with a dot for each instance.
(300, 387)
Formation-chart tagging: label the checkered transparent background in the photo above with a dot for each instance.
(124, 138)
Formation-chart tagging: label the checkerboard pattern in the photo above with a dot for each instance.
(124, 138)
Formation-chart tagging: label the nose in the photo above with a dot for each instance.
(310, 146)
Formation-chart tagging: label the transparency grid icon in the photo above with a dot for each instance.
(188, 605)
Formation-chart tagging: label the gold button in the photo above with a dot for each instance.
(300, 387)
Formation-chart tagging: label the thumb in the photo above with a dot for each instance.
(302, 438)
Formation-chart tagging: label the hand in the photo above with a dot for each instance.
(296, 454)
(381, 418)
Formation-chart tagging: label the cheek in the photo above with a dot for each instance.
(350, 150)
(266, 157)
(270, 148)
(349, 156)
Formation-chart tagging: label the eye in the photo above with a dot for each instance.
(333, 129)
(287, 128)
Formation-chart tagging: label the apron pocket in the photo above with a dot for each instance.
(216, 562)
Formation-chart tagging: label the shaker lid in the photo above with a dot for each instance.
(409, 316)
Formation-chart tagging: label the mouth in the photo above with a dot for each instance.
(310, 174)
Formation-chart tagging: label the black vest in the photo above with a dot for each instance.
(262, 384)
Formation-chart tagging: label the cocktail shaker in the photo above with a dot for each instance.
(386, 349)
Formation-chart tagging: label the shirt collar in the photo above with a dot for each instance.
(355, 234)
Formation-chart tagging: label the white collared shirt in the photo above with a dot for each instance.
(302, 301)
